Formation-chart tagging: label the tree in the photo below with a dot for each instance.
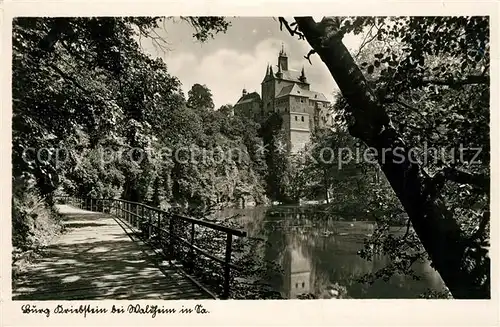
(226, 109)
(460, 260)
(200, 96)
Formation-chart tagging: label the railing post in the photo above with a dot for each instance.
(191, 249)
(131, 209)
(227, 272)
(143, 219)
(133, 217)
(171, 238)
(138, 220)
(91, 204)
(158, 234)
(150, 223)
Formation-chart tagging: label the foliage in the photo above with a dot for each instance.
(431, 75)
(32, 218)
(110, 135)
(200, 97)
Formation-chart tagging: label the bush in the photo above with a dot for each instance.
(34, 221)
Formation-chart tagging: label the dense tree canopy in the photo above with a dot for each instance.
(116, 134)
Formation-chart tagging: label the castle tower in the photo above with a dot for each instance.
(268, 89)
(287, 92)
(279, 74)
(282, 59)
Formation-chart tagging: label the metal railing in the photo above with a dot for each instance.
(166, 229)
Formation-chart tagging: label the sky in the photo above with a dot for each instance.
(237, 59)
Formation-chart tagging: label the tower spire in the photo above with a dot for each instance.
(282, 52)
(302, 76)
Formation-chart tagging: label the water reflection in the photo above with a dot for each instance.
(319, 256)
(297, 278)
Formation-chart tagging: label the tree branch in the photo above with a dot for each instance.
(472, 79)
(480, 180)
(415, 110)
(292, 31)
(75, 82)
(365, 41)
(69, 78)
(461, 177)
(308, 56)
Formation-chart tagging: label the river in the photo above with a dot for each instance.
(316, 257)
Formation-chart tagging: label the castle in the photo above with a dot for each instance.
(287, 92)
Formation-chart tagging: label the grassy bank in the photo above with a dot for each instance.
(35, 223)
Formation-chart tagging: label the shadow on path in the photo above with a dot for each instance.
(96, 259)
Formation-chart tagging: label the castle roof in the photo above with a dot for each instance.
(286, 75)
(295, 90)
(250, 97)
(291, 75)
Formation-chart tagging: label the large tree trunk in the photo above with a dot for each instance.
(459, 266)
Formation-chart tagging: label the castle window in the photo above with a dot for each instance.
(296, 285)
(302, 118)
(303, 284)
(295, 118)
